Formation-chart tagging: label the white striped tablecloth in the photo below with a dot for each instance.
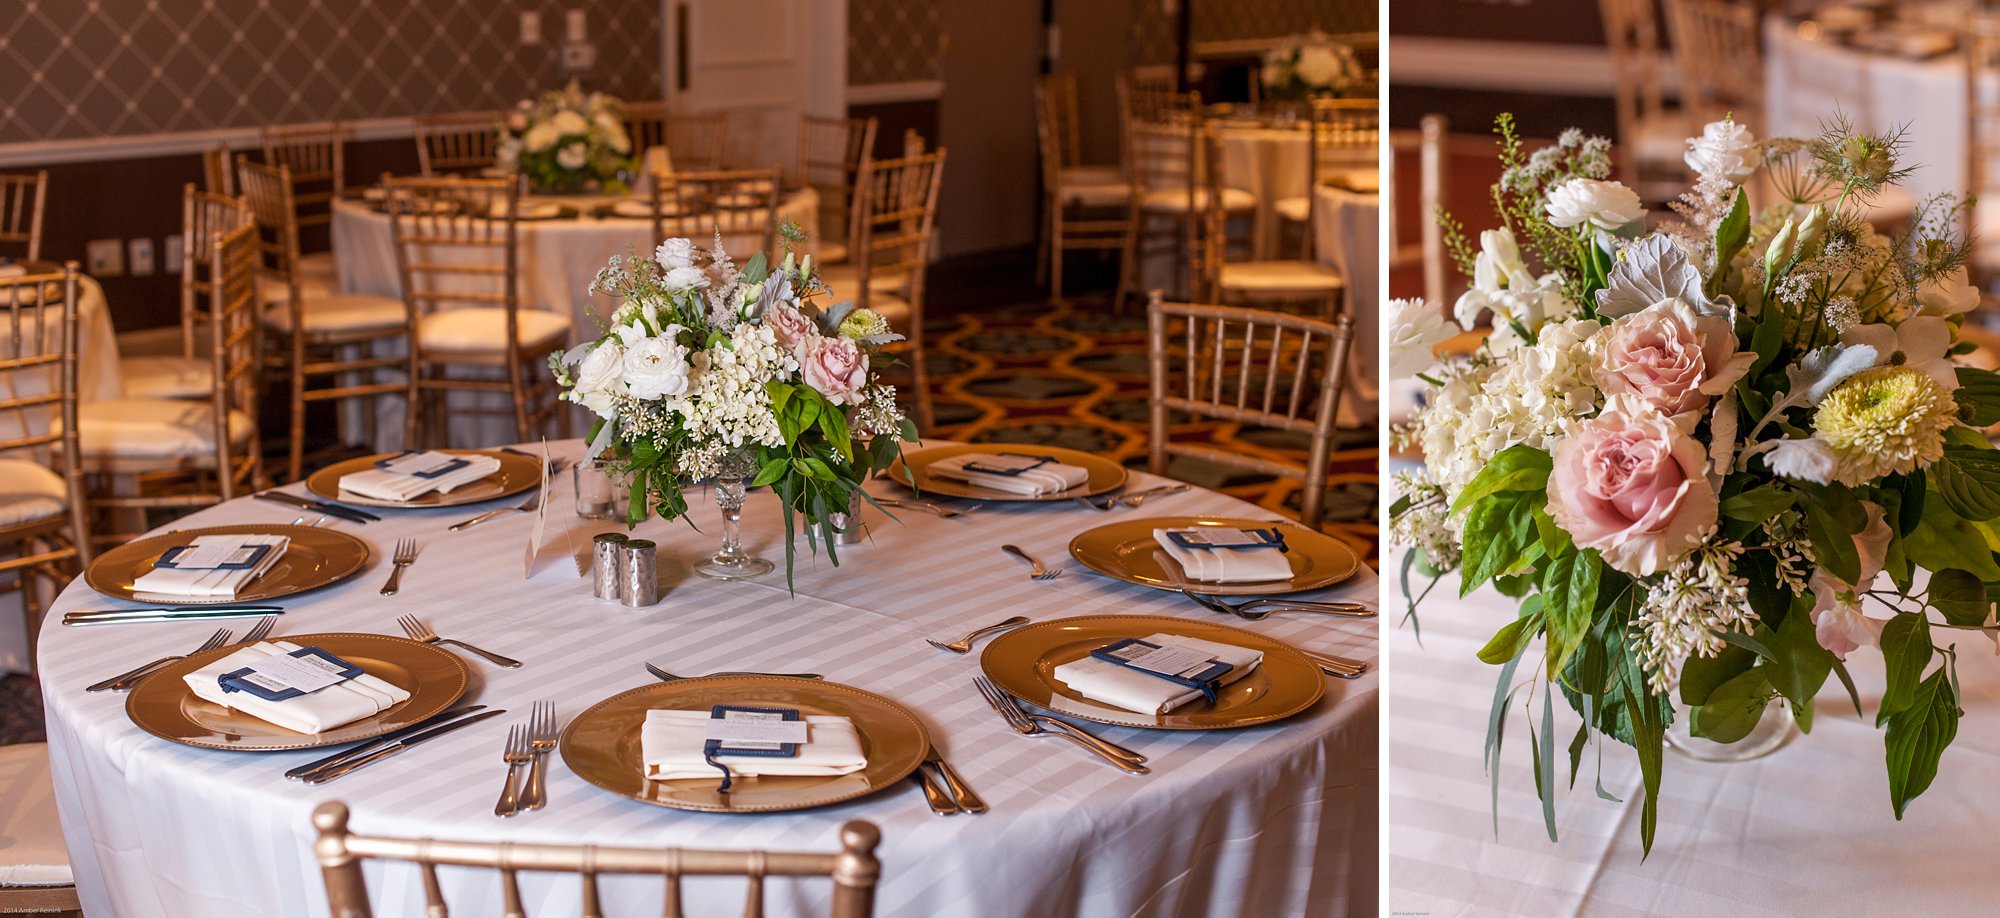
(1271, 820)
(1807, 830)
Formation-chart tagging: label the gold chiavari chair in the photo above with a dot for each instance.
(316, 154)
(1980, 46)
(1428, 145)
(22, 199)
(168, 453)
(740, 204)
(1086, 207)
(188, 374)
(1345, 138)
(1720, 52)
(44, 527)
(457, 144)
(832, 153)
(328, 345)
(1254, 367)
(217, 176)
(854, 870)
(1163, 162)
(692, 141)
(458, 254)
(1303, 280)
(1652, 136)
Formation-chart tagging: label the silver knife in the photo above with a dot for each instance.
(292, 500)
(378, 742)
(168, 615)
(321, 777)
(960, 791)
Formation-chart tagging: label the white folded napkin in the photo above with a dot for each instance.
(1128, 688)
(670, 744)
(386, 484)
(527, 210)
(1048, 478)
(1226, 565)
(12, 269)
(317, 712)
(209, 581)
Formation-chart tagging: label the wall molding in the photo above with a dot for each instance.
(878, 93)
(183, 143)
(1543, 68)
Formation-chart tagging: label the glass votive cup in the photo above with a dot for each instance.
(593, 490)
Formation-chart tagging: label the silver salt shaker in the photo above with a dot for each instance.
(638, 573)
(604, 565)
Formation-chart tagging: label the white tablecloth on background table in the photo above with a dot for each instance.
(1807, 830)
(1347, 227)
(557, 261)
(1277, 819)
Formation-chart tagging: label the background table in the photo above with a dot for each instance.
(1807, 830)
(1277, 819)
(1349, 235)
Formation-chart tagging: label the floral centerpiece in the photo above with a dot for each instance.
(1309, 66)
(713, 371)
(568, 141)
(1714, 460)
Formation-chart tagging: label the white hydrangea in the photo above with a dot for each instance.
(729, 403)
(1530, 398)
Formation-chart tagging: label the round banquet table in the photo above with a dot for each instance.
(558, 260)
(1345, 224)
(1277, 819)
(1807, 830)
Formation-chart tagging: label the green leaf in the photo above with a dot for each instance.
(834, 423)
(1731, 234)
(1832, 543)
(1910, 506)
(1701, 675)
(1733, 709)
(1649, 732)
(1512, 639)
(771, 471)
(1917, 737)
(1496, 733)
(1545, 762)
(1767, 340)
(1798, 664)
(1946, 540)
(1497, 534)
(756, 269)
(1759, 504)
(1960, 596)
(1516, 468)
(1969, 481)
(1906, 651)
(1569, 596)
(1978, 396)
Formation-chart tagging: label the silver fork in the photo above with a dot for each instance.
(964, 644)
(541, 739)
(418, 631)
(1243, 609)
(665, 676)
(1035, 570)
(1136, 498)
(127, 679)
(259, 630)
(942, 512)
(406, 555)
(515, 755)
(1028, 724)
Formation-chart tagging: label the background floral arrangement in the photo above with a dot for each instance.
(709, 370)
(1310, 65)
(1694, 454)
(568, 141)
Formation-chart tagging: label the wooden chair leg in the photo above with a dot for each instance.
(1043, 249)
(295, 468)
(413, 405)
(1055, 252)
(1128, 260)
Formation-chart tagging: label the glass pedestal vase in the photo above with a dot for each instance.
(732, 562)
(1774, 729)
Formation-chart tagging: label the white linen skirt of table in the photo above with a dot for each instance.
(1346, 225)
(1807, 830)
(1277, 819)
(97, 380)
(557, 261)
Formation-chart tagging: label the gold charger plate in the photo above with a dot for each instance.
(162, 704)
(516, 474)
(1023, 662)
(1106, 476)
(1125, 550)
(602, 744)
(315, 558)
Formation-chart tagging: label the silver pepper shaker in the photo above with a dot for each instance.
(849, 528)
(604, 565)
(638, 573)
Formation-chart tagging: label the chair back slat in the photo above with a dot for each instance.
(23, 196)
(1979, 44)
(1428, 144)
(218, 173)
(38, 388)
(234, 348)
(317, 157)
(1719, 47)
(832, 154)
(269, 192)
(457, 242)
(899, 217)
(854, 869)
(1212, 359)
(460, 143)
(698, 205)
(693, 141)
(1632, 31)
(203, 215)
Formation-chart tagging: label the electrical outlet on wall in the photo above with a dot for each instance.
(531, 28)
(106, 257)
(172, 254)
(139, 255)
(578, 56)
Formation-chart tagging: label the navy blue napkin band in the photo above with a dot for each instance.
(712, 748)
(235, 681)
(169, 559)
(438, 472)
(1208, 682)
(1266, 538)
(1010, 472)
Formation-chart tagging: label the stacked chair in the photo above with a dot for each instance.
(1083, 206)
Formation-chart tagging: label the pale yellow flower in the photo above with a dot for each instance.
(1884, 420)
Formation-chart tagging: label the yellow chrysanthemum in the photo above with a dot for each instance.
(1883, 421)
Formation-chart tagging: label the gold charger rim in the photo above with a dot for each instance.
(165, 687)
(1342, 562)
(1308, 673)
(149, 548)
(895, 774)
(325, 483)
(925, 484)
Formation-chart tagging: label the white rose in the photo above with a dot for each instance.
(1319, 65)
(541, 137)
(567, 123)
(657, 367)
(675, 253)
(1948, 295)
(1722, 151)
(599, 378)
(1604, 205)
(1416, 328)
(573, 156)
(687, 277)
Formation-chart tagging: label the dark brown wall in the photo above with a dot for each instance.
(1542, 21)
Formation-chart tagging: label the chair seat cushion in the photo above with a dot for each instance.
(167, 377)
(1112, 193)
(29, 492)
(483, 329)
(1660, 139)
(844, 278)
(34, 854)
(1175, 200)
(1093, 175)
(311, 287)
(342, 313)
(153, 428)
(1280, 277)
(317, 265)
(1293, 209)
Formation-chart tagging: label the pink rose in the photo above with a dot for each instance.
(789, 325)
(1630, 484)
(835, 367)
(1670, 357)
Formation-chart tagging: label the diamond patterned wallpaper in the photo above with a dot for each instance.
(100, 68)
(1152, 29)
(892, 41)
